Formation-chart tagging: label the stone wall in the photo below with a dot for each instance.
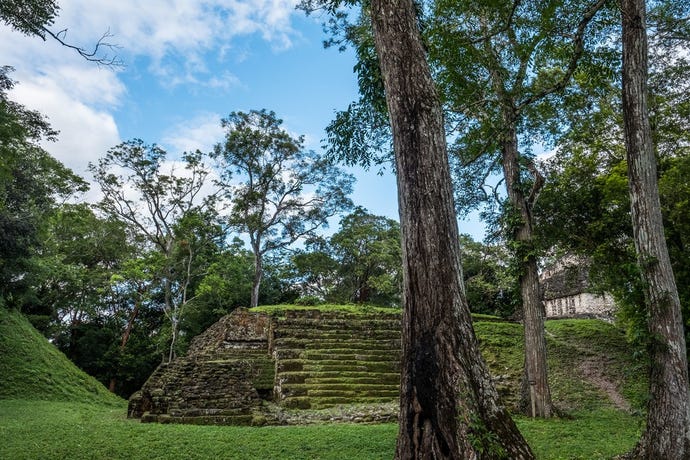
(226, 371)
(584, 304)
(567, 294)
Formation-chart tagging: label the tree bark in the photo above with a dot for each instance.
(258, 275)
(449, 407)
(536, 394)
(667, 434)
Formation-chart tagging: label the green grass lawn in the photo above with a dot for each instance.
(60, 430)
(587, 435)
(49, 409)
(63, 430)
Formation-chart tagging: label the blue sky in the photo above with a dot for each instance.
(187, 64)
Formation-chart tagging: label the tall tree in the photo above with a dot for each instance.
(82, 252)
(585, 205)
(367, 248)
(285, 193)
(448, 405)
(32, 184)
(155, 203)
(496, 64)
(361, 262)
(667, 434)
(490, 284)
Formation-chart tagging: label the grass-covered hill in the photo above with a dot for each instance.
(31, 368)
(50, 409)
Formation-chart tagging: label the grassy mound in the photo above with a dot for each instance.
(590, 364)
(31, 368)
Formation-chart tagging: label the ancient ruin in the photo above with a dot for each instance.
(567, 292)
(300, 359)
(250, 366)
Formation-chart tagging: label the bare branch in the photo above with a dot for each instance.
(96, 55)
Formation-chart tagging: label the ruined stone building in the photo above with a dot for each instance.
(567, 292)
(249, 366)
(299, 359)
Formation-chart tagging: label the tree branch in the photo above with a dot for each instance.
(579, 43)
(500, 30)
(537, 185)
(93, 55)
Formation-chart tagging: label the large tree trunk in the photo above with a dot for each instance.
(536, 394)
(668, 421)
(449, 407)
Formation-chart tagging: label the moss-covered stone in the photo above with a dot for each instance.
(303, 359)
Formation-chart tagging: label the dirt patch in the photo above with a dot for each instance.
(593, 370)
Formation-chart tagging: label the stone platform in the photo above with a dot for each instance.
(294, 359)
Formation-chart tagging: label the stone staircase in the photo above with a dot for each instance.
(325, 359)
(297, 359)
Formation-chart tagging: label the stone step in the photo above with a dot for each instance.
(323, 343)
(337, 365)
(354, 394)
(361, 343)
(368, 355)
(336, 376)
(314, 402)
(371, 379)
(204, 412)
(229, 355)
(352, 323)
(338, 336)
(294, 365)
(341, 389)
(338, 353)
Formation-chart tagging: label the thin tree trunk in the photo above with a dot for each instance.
(536, 394)
(173, 339)
(258, 275)
(171, 313)
(169, 303)
(449, 407)
(125, 339)
(667, 435)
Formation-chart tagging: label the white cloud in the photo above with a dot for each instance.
(175, 38)
(85, 133)
(225, 81)
(160, 29)
(202, 133)
(76, 96)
